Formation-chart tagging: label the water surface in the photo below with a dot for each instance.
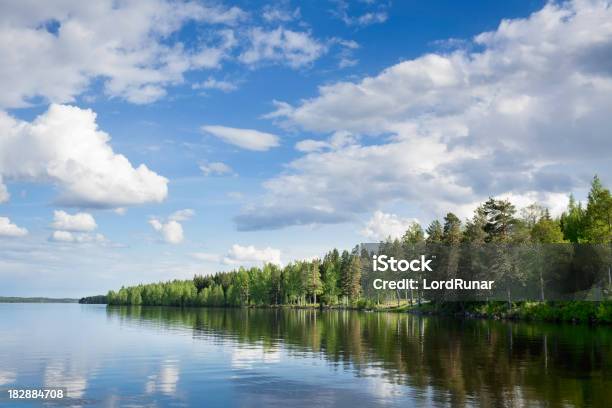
(141, 357)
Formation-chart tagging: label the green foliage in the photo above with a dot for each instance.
(474, 231)
(598, 215)
(94, 300)
(338, 278)
(499, 220)
(573, 311)
(572, 221)
(593, 224)
(434, 232)
(451, 234)
(546, 231)
(414, 234)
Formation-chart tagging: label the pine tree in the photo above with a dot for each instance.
(572, 221)
(434, 232)
(474, 228)
(452, 229)
(598, 214)
(314, 286)
(354, 288)
(345, 274)
(499, 220)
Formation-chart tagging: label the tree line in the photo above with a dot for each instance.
(337, 278)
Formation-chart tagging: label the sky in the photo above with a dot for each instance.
(151, 140)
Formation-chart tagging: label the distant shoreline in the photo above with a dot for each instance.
(36, 299)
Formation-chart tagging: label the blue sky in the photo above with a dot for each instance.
(274, 131)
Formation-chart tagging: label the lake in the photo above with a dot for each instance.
(140, 357)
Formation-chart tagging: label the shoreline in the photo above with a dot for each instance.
(575, 312)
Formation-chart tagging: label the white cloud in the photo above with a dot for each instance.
(62, 236)
(182, 215)
(555, 202)
(4, 194)
(120, 211)
(293, 48)
(346, 50)
(75, 228)
(80, 222)
(65, 147)
(371, 18)
(527, 111)
(383, 225)
(338, 140)
(245, 138)
(273, 14)
(244, 255)
(172, 230)
(368, 16)
(57, 49)
(77, 238)
(211, 83)
(334, 185)
(216, 169)
(8, 229)
(346, 62)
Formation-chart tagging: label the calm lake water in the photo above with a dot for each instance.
(140, 357)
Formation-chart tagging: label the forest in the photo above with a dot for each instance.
(339, 278)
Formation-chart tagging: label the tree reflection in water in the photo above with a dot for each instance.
(480, 362)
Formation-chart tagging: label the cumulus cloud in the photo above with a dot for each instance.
(75, 228)
(383, 225)
(171, 230)
(65, 147)
(245, 138)
(338, 140)
(293, 48)
(8, 229)
(526, 112)
(244, 255)
(334, 185)
(216, 169)
(77, 238)
(128, 45)
(80, 222)
(134, 49)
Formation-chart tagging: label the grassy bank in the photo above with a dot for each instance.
(571, 312)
